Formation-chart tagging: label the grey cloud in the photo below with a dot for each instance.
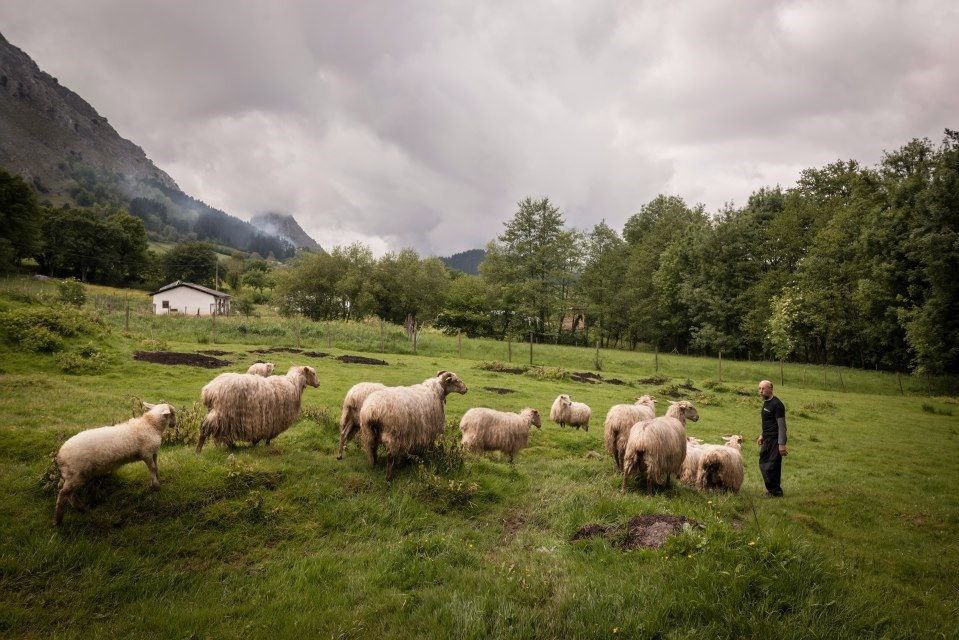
(407, 123)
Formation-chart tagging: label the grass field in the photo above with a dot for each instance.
(289, 541)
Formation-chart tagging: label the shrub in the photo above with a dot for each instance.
(87, 359)
(657, 379)
(548, 373)
(445, 456)
(186, 431)
(502, 367)
(716, 386)
(39, 339)
(72, 291)
(154, 344)
(244, 305)
(928, 408)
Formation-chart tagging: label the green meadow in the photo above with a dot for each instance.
(287, 541)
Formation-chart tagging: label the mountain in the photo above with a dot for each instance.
(285, 226)
(466, 261)
(71, 155)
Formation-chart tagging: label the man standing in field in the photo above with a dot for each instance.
(772, 442)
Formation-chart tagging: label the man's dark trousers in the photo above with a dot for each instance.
(771, 465)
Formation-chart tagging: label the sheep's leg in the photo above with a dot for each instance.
(511, 458)
(151, 463)
(339, 451)
(65, 494)
(267, 443)
(389, 467)
(201, 441)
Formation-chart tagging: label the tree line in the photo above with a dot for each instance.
(853, 265)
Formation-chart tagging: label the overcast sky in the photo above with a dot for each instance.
(423, 123)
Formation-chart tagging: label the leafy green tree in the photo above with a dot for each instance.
(190, 262)
(467, 308)
(72, 291)
(19, 219)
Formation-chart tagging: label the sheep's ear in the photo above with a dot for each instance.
(167, 410)
(441, 372)
(147, 405)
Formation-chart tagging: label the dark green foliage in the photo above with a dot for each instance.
(19, 220)
(42, 328)
(190, 262)
(87, 359)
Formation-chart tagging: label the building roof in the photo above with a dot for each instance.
(197, 287)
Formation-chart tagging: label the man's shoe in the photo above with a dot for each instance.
(772, 495)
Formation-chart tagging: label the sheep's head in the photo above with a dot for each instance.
(451, 382)
(534, 417)
(306, 374)
(270, 367)
(646, 401)
(692, 440)
(164, 415)
(684, 410)
(565, 401)
(734, 441)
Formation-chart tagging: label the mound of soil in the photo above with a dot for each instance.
(361, 360)
(315, 354)
(277, 350)
(500, 390)
(642, 532)
(586, 376)
(214, 352)
(615, 381)
(172, 357)
(653, 380)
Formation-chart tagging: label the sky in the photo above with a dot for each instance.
(423, 123)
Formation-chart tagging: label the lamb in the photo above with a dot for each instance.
(567, 412)
(350, 416)
(619, 419)
(99, 451)
(406, 419)
(721, 466)
(657, 447)
(694, 453)
(264, 369)
(251, 408)
(491, 430)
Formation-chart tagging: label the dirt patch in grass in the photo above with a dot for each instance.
(500, 367)
(499, 390)
(653, 380)
(348, 359)
(586, 376)
(642, 532)
(315, 354)
(615, 381)
(213, 352)
(277, 350)
(172, 357)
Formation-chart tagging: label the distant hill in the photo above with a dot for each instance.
(285, 226)
(466, 261)
(71, 155)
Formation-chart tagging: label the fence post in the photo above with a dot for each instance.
(782, 375)
(414, 337)
(596, 364)
(720, 366)
(656, 356)
(382, 343)
(531, 347)
(899, 377)
(509, 349)
(126, 321)
(296, 320)
(841, 383)
(213, 327)
(459, 343)
(329, 335)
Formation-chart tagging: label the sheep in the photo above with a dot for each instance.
(657, 447)
(565, 411)
(99, 451)
(619, 419)
(350, 416)
(251, 408)
(406, 419)
(694, 453)
(721, 466)
(264, 369)
(491, 430)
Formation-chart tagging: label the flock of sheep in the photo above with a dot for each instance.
(257, 405)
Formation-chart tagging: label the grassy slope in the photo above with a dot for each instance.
(292, 542)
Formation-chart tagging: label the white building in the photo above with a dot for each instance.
(186, 298)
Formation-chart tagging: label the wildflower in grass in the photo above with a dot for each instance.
(752, 543)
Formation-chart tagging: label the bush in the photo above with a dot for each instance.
(87, 359)
(502, 367)
(39, 339)
(186, 430)
(548, 373)
(43, 328)
(244, 305)
(653, 380)
(72, 292)
(154, 344)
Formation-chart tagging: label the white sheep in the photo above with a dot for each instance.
(567, 412)
(721, 466)
(99, 451)
(694, 453)
(491, 430)
(406, 419)
(657, 447)
(251, 408)
(619, 419)
(264, 369)
(350, 416)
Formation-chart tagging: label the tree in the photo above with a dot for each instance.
(190, 262)
(467, 307)
(19, 219)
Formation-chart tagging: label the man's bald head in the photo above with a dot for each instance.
(766, 389)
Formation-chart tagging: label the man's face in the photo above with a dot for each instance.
(765, 391)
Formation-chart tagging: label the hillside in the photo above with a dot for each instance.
(286, 227)
(71, 155)
(466, 261)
